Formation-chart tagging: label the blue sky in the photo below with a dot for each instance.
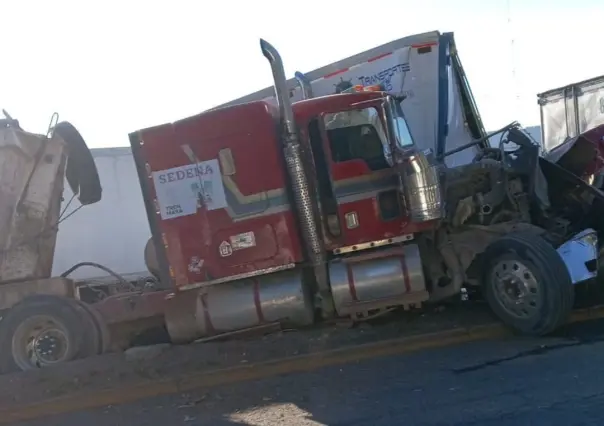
(112, 67)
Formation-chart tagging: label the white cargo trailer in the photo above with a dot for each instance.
(569, 111)
(112, 232)
(426, 68)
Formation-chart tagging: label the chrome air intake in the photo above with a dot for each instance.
(303, 198)
(422, 188)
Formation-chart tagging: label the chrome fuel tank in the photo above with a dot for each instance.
(377, 280)
(278, 297)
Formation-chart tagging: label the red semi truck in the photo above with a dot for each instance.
(328, 207)
(268, 211)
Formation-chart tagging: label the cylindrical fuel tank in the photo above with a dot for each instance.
(278, 297)
(151, 258)
(376, 280)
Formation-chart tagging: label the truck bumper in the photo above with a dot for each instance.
(580, 254)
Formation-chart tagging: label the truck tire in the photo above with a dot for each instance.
(40, 331)
(526, 284)
(92, 341)
(96, 336)
(102, 331)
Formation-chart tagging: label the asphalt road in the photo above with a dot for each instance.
(519, 382)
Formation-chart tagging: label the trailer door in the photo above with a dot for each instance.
(569, 111)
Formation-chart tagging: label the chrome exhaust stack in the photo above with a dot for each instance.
(301, 189)
(281, 92)
(305, 85)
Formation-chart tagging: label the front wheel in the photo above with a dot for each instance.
(526, 284)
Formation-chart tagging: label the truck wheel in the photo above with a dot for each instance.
(39, 332)
(92, 343)
(526, 284)
(99, 330)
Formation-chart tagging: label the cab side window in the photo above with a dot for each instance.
(357, 135)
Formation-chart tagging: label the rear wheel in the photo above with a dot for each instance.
(43, 331)
(526, 284)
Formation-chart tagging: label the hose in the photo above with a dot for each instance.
(115, 275)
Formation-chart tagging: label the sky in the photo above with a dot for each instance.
(112, 67)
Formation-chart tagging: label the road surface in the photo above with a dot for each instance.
(558, 381)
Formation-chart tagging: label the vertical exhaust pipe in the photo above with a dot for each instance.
(281, 92)
(305, 85)
(300, 186)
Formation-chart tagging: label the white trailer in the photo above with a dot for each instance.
(112, 232)
(426, 68)
(571, 110)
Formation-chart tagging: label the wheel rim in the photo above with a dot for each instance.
(516, 288)
(40, 341)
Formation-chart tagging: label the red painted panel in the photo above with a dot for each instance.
(371, 227)
(255, 195)
(349, 169)
(355, 184)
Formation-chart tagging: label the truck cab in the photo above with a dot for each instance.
(356, 139)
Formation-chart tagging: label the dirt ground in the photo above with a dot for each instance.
(139, 365)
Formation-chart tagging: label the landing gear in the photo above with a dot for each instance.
(526, 284)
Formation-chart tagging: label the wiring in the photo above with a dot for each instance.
(67, 206)
(124, 282)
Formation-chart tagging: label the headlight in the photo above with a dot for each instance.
(589, 237)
